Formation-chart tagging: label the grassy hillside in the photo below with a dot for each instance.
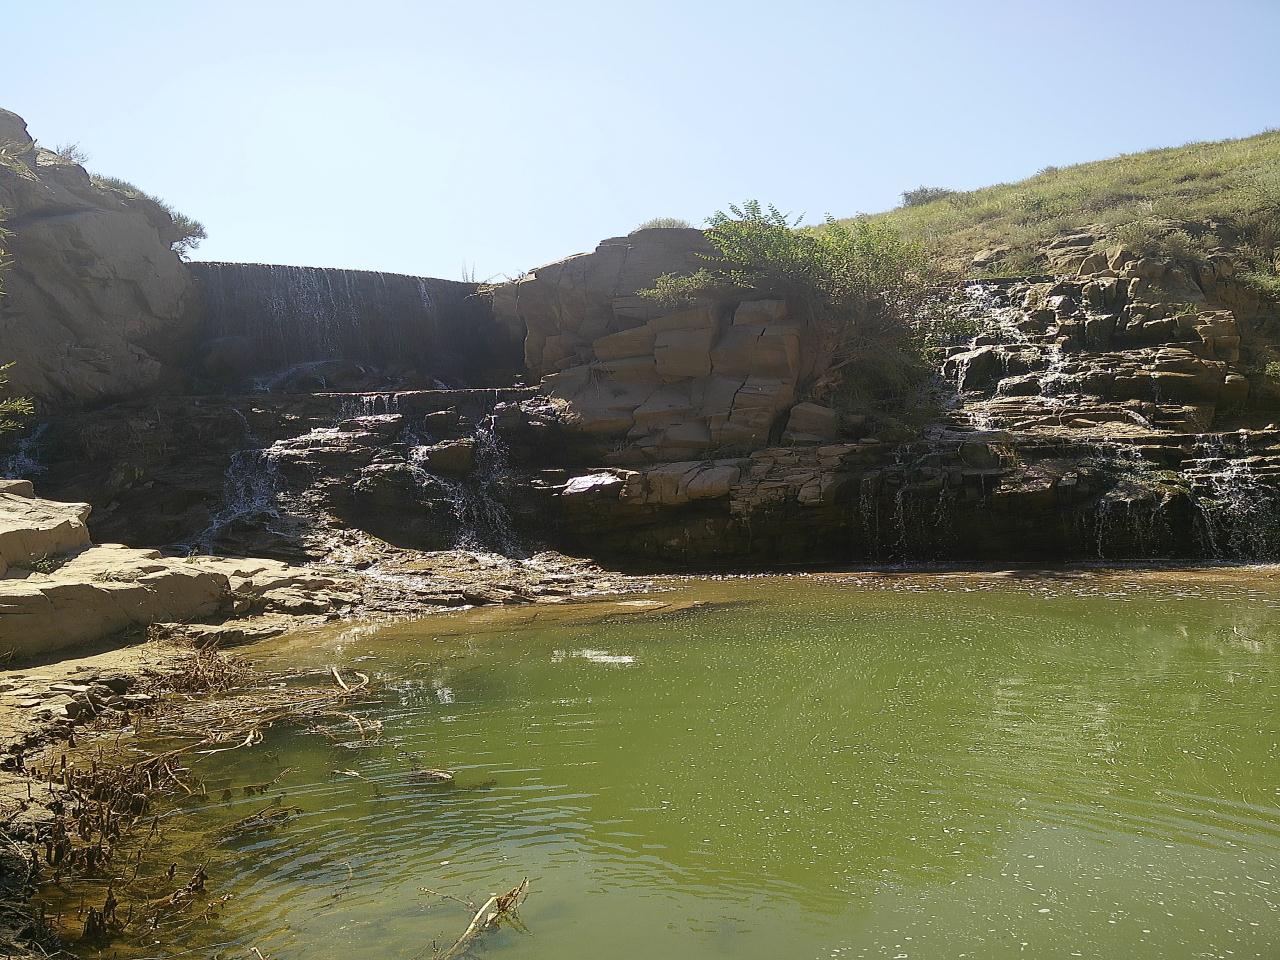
(1232, 184)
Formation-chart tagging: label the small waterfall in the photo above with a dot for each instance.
(249, 488)
(24, 463)
(373, 405)
(484, 523)
(1132, 513)
(1239, 511)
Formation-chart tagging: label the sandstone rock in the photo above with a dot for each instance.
(812, 423)
(577, 296)
(32, 529)
(683, 352)
(95, 305)
(99, 592)
(633, 342)
(1093, 263)
(759, 312)
(989, 256)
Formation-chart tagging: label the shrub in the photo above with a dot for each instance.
(72, 152)
(14, 411)
(856, 283)
(922, 195)
(664, 223)
(1151, 238)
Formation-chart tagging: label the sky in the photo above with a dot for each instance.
(483, 137)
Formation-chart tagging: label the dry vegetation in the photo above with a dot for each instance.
(1234, 182)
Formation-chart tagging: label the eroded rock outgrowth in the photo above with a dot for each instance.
(58, 590)
(663, 383)
(95, 302)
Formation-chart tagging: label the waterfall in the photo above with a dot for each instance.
(1239, 511)
(249, 488)
(294, 316)
(24, 463)
(484, 523)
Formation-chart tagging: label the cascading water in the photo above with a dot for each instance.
(483, 522)
(249, 489)
(1239, 511)
(24, 463)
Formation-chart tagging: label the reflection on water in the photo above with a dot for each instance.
(811, 767)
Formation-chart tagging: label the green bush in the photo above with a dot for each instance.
(14, 411)
(922, 195)
(664, 223)
(856, 283)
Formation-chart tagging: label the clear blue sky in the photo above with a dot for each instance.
(422, 136)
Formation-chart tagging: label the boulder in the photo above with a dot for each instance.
(812, 423)
(99, 592)
(454, 458)
(32, 530)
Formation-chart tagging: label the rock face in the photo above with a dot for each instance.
(1114, 410)
(1104, 413)
(565, 307)
(95, 301)
(662, 383)
(59, 591)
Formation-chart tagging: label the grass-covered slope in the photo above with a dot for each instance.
(1232, 187)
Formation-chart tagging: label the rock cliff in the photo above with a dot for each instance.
(94, 302)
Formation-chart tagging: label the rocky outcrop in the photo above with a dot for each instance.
(564, 307)
(95, 300)
(60, 591)
(657, 383)
(1105, 413)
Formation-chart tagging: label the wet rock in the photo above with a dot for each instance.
(453, 458)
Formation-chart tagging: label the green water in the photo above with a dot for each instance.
(1074, 766)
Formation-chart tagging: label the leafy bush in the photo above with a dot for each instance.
(923, 195)
(1151, 238)
(664, 223)
(14, 411)
(856, 283)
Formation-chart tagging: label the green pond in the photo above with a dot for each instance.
(1073, 765)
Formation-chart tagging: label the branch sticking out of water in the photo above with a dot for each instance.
(495, 910)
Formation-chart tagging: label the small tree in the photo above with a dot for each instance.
(72, 152)
(922, 195)
(856, 284)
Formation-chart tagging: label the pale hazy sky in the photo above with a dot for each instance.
(423, 137)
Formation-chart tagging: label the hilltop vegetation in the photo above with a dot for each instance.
(1230, 191)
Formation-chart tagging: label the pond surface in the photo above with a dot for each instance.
(1080, 765)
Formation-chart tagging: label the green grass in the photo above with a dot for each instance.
(1233, 181)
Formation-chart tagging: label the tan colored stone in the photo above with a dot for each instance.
(684, 353)
(33, 529)
(634, 342)
(811, 423)
(759, 312)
